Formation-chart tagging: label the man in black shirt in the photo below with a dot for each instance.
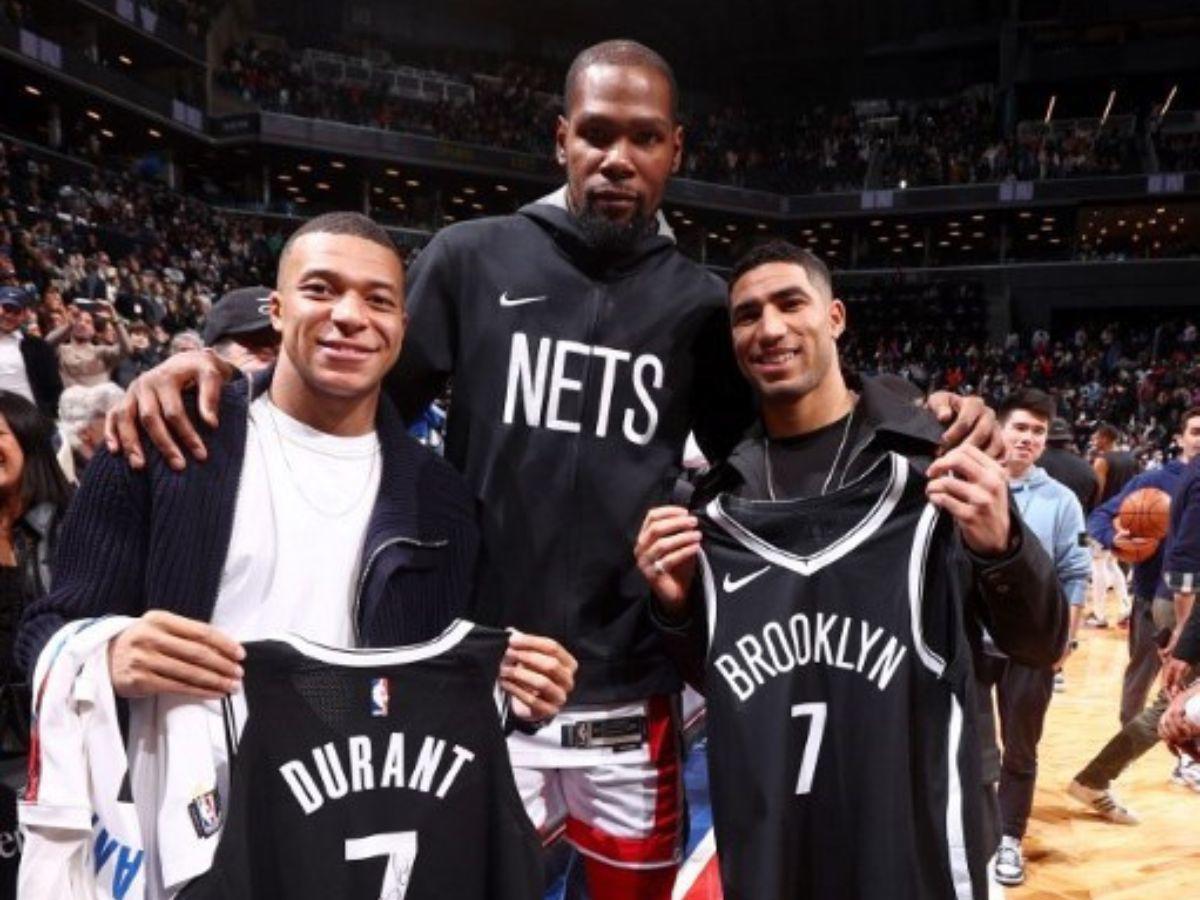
(820, 429)
(1064, 465)
(1114, 468)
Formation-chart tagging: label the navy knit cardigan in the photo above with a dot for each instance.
(158, 539)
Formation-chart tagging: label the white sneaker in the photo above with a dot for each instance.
(1103, 803)
(1060, 682)
(1009, 868)
(1187, 774)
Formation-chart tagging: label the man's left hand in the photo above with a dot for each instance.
(970, 422)
(971, 486)
(538, 674)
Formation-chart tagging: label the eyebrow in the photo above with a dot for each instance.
(589, 118)
(331, 275)
(781, 294)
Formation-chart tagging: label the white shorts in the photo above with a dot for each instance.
(624, 806)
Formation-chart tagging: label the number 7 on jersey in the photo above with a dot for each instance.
(812, 746)
(400, 848)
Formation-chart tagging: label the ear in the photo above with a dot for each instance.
(837, 318)
(275, 309)
(560, 141)
(677, 144)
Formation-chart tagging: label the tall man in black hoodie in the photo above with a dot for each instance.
(584, 347)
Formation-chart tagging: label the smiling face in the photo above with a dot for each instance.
(785, 330)
(619, 143)
(339, 306)
(1024, 435)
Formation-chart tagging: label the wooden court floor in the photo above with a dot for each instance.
(1072, 854)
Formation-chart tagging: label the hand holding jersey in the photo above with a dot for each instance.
(970, 486)
(168, 653)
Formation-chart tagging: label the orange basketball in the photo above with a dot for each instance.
(1134, 549)
(1146, 513)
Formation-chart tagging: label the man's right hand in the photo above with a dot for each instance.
(666, 551)
(155, 399)
(164, 653)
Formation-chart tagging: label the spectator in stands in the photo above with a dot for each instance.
(239, 329)
(33, 497)
(81, 412)
(143, 355)
(184, 341)
(84, 360)
(28, 366)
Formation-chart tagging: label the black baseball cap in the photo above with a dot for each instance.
(13, 296)
(1060, 432)
(241, 311)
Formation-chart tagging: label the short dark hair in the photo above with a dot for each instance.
(779, 250)
(1031, 400)
(351, 223)
(42, 479)
(1108, 431)
(620, 52)
(1190, 413)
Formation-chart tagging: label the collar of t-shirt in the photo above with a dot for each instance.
(800, 464)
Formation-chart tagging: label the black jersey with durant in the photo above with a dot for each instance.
(843, 751)
(374, 775)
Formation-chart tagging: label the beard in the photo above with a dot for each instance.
(609, 238)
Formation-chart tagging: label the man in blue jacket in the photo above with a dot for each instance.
(1052, 512)
(1152, 602)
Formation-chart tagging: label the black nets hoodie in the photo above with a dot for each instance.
(576, 379)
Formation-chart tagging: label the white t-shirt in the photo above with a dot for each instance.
(12, 367)
(298, 531)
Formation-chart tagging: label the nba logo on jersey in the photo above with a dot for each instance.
(379, 696)
(205, 811)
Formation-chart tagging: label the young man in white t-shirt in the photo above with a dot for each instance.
(314, 513)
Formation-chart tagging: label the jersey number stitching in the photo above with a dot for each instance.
(400, 847)
(812, 746)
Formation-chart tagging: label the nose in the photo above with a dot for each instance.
(349, 313)
(617, 164)
(771, 326)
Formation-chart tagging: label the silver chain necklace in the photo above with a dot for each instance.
(833, 468)
(297, 482)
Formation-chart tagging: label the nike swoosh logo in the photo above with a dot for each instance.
(506, 300)
(731, 586)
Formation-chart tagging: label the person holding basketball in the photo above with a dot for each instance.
(1154, 615)
(1149, 615)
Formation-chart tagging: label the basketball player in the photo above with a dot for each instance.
(1152, 602)
(291, 526)
(584, 347)
(819, 434)
(1114, 468)
(1052, 511)
(1177, 560)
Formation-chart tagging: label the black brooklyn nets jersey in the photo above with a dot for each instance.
(373, 775)
(844, 757)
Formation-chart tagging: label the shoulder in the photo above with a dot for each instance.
(478, 234)
(689, 278)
